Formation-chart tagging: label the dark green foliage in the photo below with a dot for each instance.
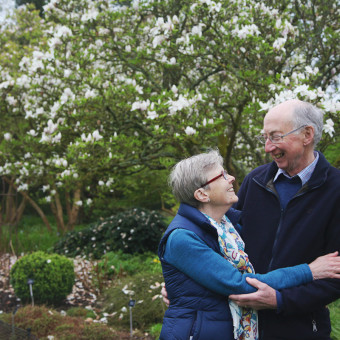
(132, 231)
(122, 264)
(53, 277)
(37, 3)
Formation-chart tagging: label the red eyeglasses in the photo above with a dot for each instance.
(223, 173)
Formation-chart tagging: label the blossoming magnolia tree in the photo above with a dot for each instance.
(110, 90)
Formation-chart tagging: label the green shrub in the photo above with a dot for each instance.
(81, 312)
(334, 309)
(155, 330)
(133, 231)
(53, 277)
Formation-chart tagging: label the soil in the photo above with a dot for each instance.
(83, 294)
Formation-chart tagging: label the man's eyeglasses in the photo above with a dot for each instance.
(276, 138)
(223, 173)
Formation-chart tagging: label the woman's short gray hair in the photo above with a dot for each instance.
(189, 174)
(307, 114)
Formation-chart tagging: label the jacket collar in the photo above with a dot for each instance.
(318, 177)
(198, 218)
(194, 215)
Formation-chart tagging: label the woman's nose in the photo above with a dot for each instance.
(231, 179)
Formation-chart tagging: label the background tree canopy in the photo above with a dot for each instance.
(101, 98)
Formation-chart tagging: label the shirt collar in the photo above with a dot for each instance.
(304, 174)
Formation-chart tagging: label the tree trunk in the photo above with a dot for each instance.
(18, 214)
(38, 210)
(57, 211)
(75, 210)
(10, 204)
(68, 205)
(33, 204)
(230, 144)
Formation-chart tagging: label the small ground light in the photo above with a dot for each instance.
(30, 283)
(131, 304)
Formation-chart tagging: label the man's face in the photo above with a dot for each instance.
(289, 153)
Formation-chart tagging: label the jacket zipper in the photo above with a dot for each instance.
(281, 210)
(281, 216)
(314, 326)
(193, 326)
(315, 329)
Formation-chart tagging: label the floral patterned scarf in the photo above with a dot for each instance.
(245, 320)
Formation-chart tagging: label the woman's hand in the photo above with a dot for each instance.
(327, 266)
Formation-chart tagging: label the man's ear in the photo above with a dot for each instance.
(201, 195)
(309, 135)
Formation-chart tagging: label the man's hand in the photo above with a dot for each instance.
(165, 296)
(264, 298)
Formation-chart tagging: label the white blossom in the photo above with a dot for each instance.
(67, 94)
(329, 127)
(157, 40)
(32, 132)
(7, 136)
(245, 30)
(279, 43)
(23, 187)
(197, 30)
(190, 131)
(63, 31)
(96, 136)
(90, 15)
(143, 105)
(152, 115)
(90, 93)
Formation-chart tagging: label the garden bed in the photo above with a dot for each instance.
(84, 294)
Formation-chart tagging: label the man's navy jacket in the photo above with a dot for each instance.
(307, 228)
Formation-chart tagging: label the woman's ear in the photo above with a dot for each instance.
(201, 195)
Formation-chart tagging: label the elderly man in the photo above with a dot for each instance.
(291, 215)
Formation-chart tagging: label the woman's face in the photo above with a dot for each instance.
(221, 191)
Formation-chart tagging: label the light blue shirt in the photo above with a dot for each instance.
(304, 174)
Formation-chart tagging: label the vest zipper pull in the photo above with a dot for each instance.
(314, 326)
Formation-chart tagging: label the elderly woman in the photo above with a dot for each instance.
(203, 258)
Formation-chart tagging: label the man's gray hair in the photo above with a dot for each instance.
(307, 114)
(189, 174)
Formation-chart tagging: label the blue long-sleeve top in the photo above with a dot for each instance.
(188, 253)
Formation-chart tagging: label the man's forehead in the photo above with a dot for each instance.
(276, 124)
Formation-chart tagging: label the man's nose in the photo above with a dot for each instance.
(269, 146)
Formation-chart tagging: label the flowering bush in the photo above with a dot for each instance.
(145, 289)
(133, 231)
(52, 275)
